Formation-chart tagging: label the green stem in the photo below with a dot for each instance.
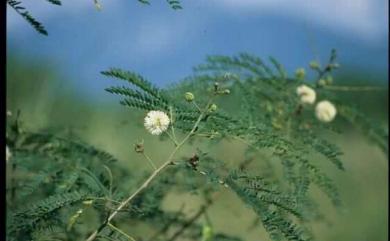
(197, 106)
(111, 178)
(253, 147)
(121, 232)
(172, 137)
(353, 88)
(149, 160)
(172, 125)
(148, 181)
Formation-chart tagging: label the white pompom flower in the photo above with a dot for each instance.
(156, 122)
(325, 111)
(306, 94)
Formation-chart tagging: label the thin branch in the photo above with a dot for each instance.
(149, 160)
(192, 220)
(172, 125)
(188, 223)
(353, 88)
(197, 106)
(121, 232)
(148, 181)
(167, 225)
(172, 137)
(110, 176)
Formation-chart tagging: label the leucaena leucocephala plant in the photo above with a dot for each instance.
(63, 189)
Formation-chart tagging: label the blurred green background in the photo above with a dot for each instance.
(55, 82)
(47, 101)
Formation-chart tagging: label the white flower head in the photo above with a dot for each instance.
(156, 122)
(325, 111)
(306, 94)
(7, 154)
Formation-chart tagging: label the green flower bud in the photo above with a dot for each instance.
(222, 92)
(314, 64)
(216, 86)
(189, 96)
(322, 82)
(276, 124)
(207, 233)
(300, 73)
(329, 80)
(88, 202)
(213, 108)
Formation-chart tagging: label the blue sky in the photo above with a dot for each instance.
(163, 45)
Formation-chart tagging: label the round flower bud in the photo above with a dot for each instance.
(322, 82)
(88, 202)
(325, 111)
(226, 92)
(300, 73)
(207, 233)
(189, 96)
(329, 80)
(306, 94)
(213, 108)
(314, 64)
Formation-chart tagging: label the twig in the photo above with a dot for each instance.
(149, 160)
(167, 225)
(121, 232)
(197, 106)
(172, 125)
(148, 181)
(110, 176)
(353, 88)
(172, 138)
(202, 210)
(188, 223)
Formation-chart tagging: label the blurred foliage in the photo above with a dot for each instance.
(17, 5)
(47, 106)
